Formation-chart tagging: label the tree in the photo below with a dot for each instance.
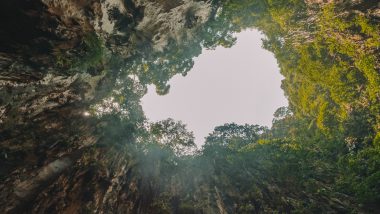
(173, 135)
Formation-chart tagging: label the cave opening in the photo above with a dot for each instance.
(241, 84)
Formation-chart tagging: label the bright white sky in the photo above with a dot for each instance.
(239, 84)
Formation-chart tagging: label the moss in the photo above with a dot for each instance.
(91, 55)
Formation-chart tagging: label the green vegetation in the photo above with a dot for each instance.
(92, 54)
(322, 154)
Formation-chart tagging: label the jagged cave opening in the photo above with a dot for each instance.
(241, 84)
(74, 137)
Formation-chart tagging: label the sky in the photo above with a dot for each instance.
(239, 84)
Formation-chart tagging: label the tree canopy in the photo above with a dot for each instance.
(321, 154)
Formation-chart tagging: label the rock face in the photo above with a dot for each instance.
(161, 23)
(56, 61)
(47, 142)
(41, 39)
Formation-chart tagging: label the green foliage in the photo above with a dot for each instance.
(173, 135)
(321, 154)
(91, 56)
(94, 52)
(361, 176)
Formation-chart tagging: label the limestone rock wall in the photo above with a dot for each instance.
(51, 154)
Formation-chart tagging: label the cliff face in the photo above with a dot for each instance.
(42, 40)
(48, 143)
(73, 138)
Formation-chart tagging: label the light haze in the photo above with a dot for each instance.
(239, 84)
